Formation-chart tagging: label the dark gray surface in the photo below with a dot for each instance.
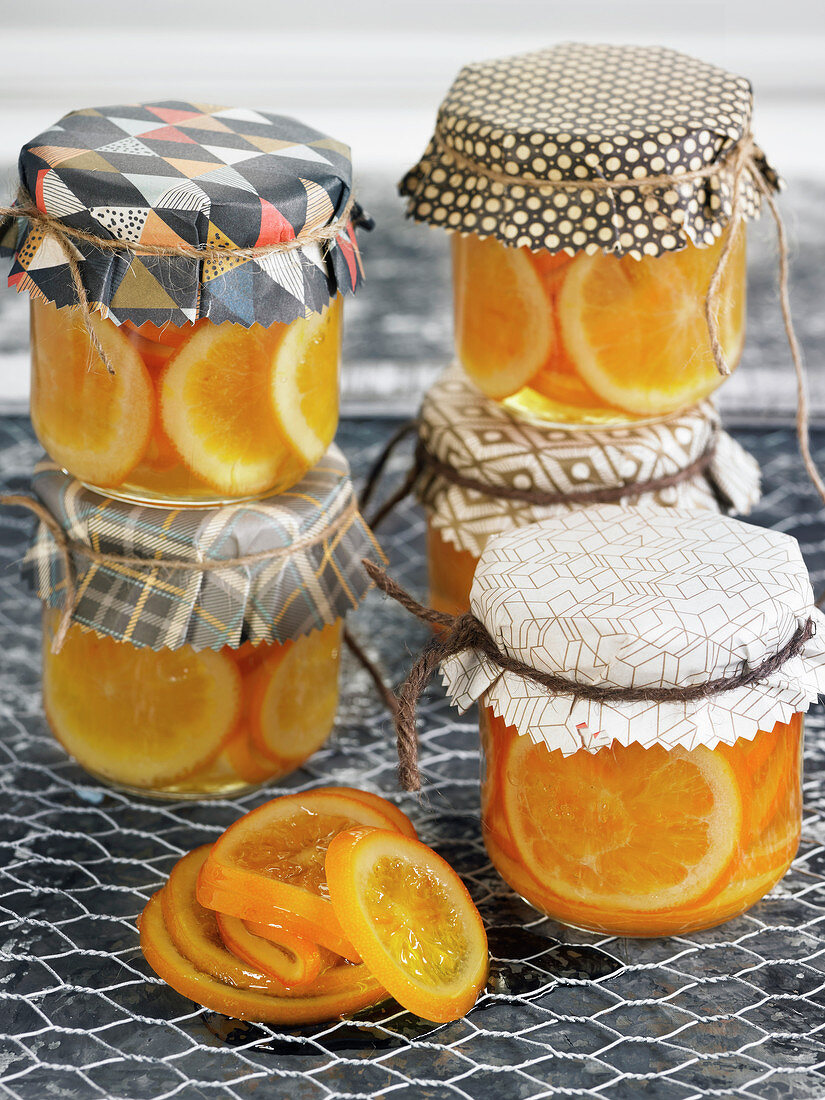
(733, 1012)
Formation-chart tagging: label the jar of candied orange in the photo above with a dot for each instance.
(642, 679)
(187, 268)
(484, 471)
(596, 196)
(195, 652)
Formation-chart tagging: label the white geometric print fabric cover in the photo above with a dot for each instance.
(482, 440)
(510, 130)
(606, 595)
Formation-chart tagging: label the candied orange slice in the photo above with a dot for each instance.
(273, 858)
(145, 719)
(668, 826)
(247, 763)
(290, 959)
(765, 766)
(215, 408)
(294, 696)
(196, 934)
(411, 919)
(637, 332)
(504, 320)
(187, 978)
(94, 423)
(305, 382)
(401, 823)
(451, 573)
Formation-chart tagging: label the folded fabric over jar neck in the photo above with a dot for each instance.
(479, 470)
(266, 570)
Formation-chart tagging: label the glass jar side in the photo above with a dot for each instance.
(199, 414)
(594, 338)
(642, 842)
(180, 723)
(450, 573)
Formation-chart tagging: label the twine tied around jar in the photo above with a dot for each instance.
(67, 547)
(457, 633)
(740, 159)
(426, 464)
(26, 208)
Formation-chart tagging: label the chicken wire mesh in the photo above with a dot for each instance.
(733, 1012)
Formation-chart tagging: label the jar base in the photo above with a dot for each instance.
(183, 795)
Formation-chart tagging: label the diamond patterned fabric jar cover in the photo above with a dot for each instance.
(173, 173)
(314, 576)
(479, 439)
(510, 131)
(619, 597)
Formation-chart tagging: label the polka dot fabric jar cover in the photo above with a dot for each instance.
(596, 196)
(510, 131)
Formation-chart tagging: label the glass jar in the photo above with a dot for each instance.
(450, 571)
(637, 841)
(595, 338)
(186, 723)
(203, 413)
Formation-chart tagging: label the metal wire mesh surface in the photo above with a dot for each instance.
(733, 1012)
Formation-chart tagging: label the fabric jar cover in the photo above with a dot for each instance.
(480, 439)
(173, 172)
(619, 597)
(587, 112)
(273, 600)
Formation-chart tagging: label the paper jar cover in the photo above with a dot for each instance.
(586, 112)
(480, 439)
(626, 598)
(173, 172)
(301, 588)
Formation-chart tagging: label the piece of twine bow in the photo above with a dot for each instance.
(68, 547)
(427, 465)
(739, 160)
(26, 208)
(459, 633)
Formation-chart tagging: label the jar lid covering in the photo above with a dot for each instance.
(175, 173)
(624, 598)
(479, 438)
(314, 575)
(511, 133)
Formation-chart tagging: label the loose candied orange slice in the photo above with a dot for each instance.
(637, 332)
(215, 408)
(290, 959)
(667, 827)
(504, 321)
(411, 919)
(187, 978)
(147, 719)
(305, 382)
(196, 934)
(273, 858)
(294, 696)
(94, 423)
(401, 823)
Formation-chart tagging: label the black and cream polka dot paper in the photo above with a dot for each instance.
(577, 112)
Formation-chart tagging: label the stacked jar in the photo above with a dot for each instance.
(596, 197)
(200, 543)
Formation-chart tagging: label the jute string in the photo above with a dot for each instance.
(459, 633)
(26, 208)
(739, 161)
(67, 548)
(426, 463)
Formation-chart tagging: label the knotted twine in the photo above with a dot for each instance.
(426, 464)
(459, 633)
(26, 208)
